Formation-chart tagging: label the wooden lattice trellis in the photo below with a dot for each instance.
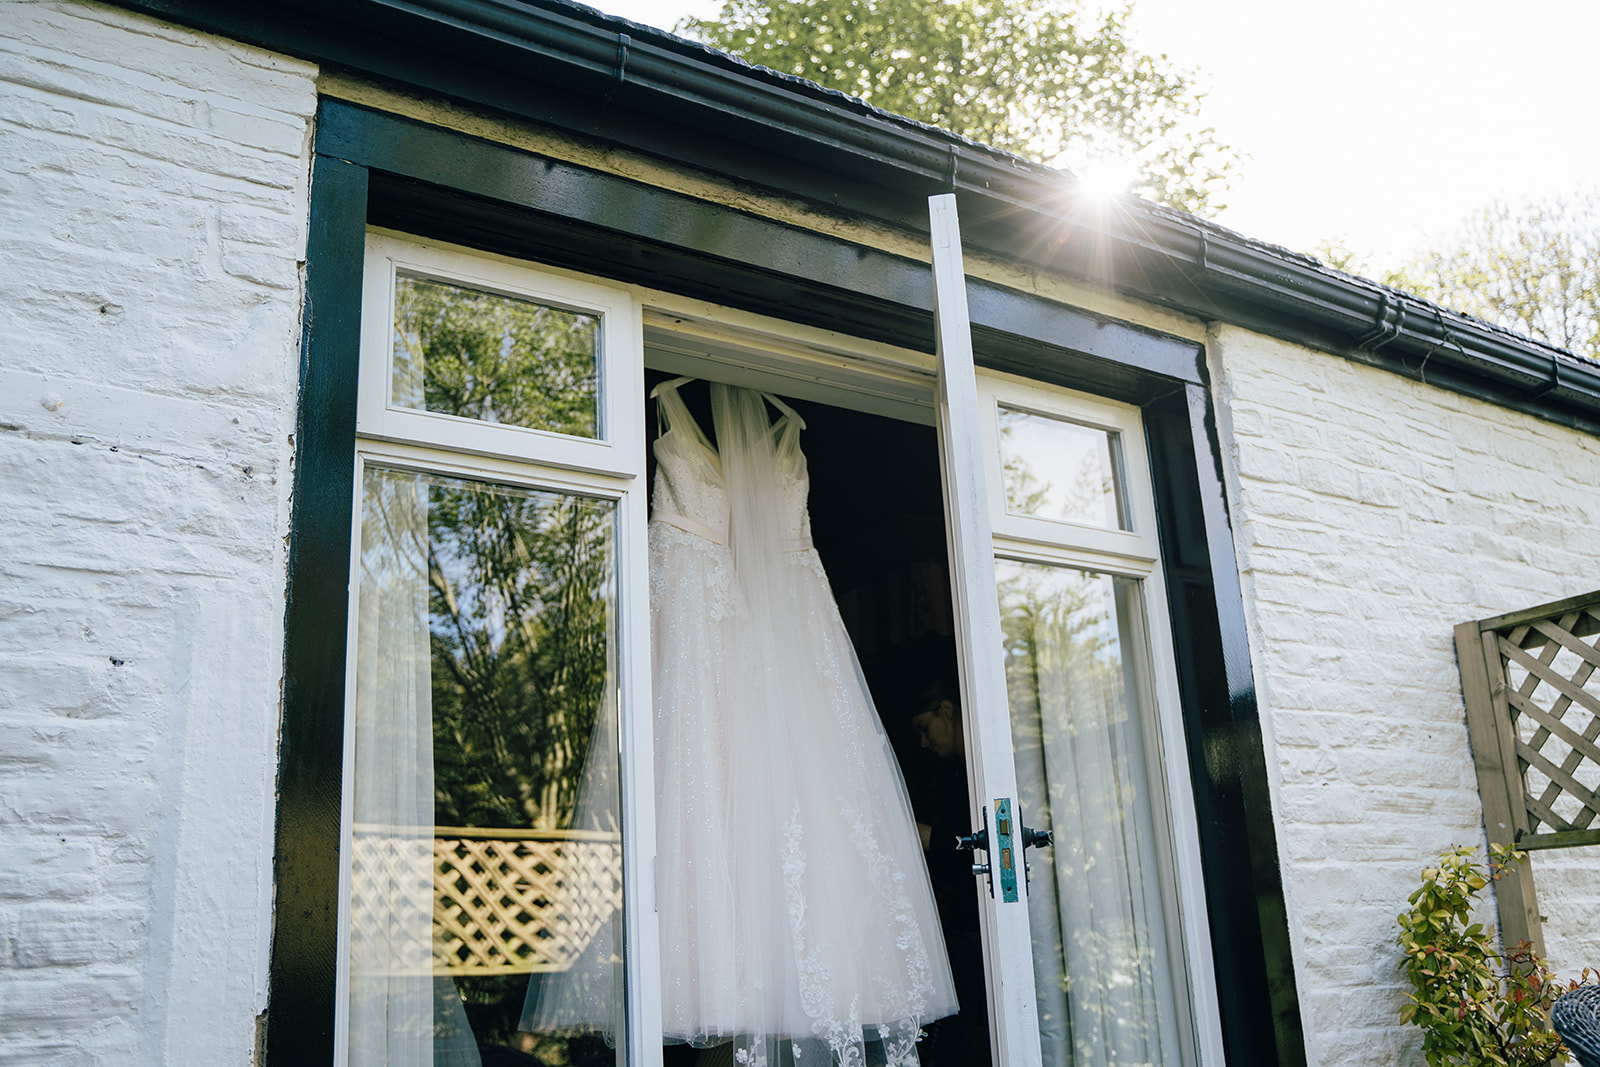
(503, 901)
(515, 902)
(1531, 681)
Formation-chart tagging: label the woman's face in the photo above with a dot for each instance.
(939, 730)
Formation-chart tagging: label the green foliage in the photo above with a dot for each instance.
(1044, 79)
(519, 614)
(497, 359)
(1475, 1006)
(1533, 268)
(519, 581)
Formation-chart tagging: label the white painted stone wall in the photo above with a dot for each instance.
(152, 202)
(152, 223)
(1371, 514)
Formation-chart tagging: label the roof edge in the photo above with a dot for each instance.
(558, 63)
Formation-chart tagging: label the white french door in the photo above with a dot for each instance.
(1086, 855)
(990, 772)
(500, 886)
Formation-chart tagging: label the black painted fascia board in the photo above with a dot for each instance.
(560, 64)
(1010, 327)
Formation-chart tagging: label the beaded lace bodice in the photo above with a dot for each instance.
(689, 483)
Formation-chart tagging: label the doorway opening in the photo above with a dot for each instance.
(877, 522)
(500, 662)
(495, 555)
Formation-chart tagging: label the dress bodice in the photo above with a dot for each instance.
(689, 486)
(689, 490)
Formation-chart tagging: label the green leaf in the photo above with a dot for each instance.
(1470, 1012)
(1053, 83)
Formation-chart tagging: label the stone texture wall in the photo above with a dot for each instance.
(1371, 514)
(152, 227)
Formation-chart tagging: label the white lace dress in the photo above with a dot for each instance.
(795, 911)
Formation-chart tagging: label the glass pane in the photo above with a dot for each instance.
(1102, 969)
(1059, 470)
(486, 867)
(499, 359)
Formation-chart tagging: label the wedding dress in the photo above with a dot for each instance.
(796, 915)
(797, 921)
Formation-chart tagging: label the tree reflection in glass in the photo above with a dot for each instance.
(510, 739)
(1102, 969)
(1055, 469)
(493, 358)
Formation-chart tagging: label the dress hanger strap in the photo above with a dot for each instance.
(669, 405)
(670, 386)
(788, 411)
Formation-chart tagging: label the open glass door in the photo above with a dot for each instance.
(1083, 839)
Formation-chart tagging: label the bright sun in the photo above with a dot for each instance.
(1106, 178)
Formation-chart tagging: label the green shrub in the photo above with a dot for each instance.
(1475, 1006)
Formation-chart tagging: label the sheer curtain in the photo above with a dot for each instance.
(400, 1014)
(587, 996)
(1102, 970)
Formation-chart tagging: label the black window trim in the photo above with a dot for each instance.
(370, 167)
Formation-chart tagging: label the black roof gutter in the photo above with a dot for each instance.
(560, 64)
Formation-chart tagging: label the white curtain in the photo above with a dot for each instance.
(400, 1014)
(588, 995)
(1102, 970)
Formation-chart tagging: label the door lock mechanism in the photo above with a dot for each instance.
(1008, 836)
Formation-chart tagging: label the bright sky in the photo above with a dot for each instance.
(1379, 122)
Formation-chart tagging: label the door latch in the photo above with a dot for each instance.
(1000, 856)
(978, 841)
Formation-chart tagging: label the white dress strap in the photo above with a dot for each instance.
(788, 411)
(673, 413)
(670, 386)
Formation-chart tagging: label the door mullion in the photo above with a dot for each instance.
(641, 1045)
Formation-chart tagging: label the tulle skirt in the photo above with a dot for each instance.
(795, 910)
(797, 922)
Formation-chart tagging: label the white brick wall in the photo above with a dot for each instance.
(152, 194)
(152, 201)
(1371, 514)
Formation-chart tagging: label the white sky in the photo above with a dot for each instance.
(1379, 122)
